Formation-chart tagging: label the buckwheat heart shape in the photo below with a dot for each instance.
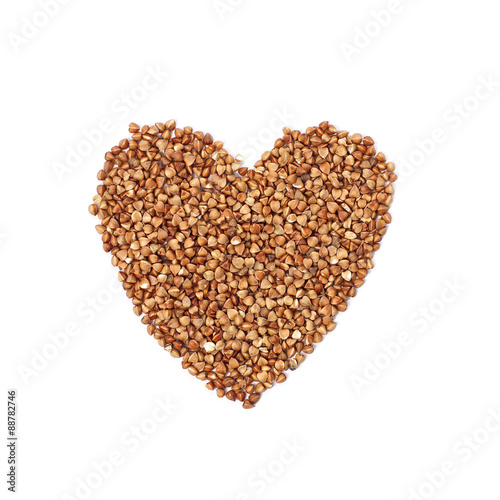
(241, 271)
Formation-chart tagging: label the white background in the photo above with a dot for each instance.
(233, 73)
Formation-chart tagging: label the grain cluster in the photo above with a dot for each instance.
(240, 272)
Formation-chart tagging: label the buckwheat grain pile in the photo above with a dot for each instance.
(238, 271)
